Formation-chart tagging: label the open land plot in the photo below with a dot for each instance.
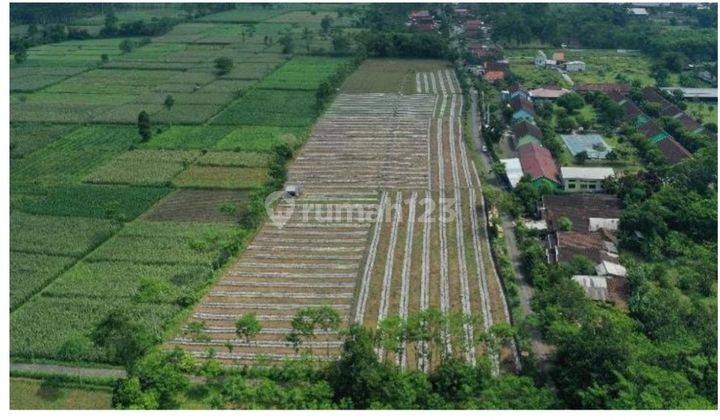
(246, 13)
(388, 75)
(33, 394)
(187, 205)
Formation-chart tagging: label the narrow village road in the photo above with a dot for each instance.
(541, 350)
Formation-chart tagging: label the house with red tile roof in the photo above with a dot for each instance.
(538, 163)
(672, 151)
(493, 76)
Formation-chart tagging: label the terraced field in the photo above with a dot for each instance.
(391, 221)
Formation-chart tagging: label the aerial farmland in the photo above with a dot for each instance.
(304, 206)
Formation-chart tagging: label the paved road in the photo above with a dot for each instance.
(68, 370)
(541, 350)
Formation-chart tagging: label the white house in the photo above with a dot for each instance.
(575, 66)
(595, 286)
(607, 268)
(513, 170)
(584, 179)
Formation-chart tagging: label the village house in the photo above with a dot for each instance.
(513, 171)
(558, 57)
(548, 93)
(524, 132)
(494, 76)
(592, 144)
(540, 59)
(537, 163)
(584, 179)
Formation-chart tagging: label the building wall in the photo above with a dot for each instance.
(582, 185)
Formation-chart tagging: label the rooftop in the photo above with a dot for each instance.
(595, 286)
(607, 268)
(524, 128)
(593, 144)
(580, 208)
(513, 169)
(695, 93)
(537, 162)
(673, 151)
(580, 172)
(548, 93)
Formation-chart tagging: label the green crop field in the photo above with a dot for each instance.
(100, 216)
(283, 108)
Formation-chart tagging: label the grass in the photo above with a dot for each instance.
(33, 394)
(707, 112)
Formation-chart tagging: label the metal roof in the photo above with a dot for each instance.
(696, 93)
(591, 174)
(513, 169)
(595, 286)
(607, 268)
(593, 144)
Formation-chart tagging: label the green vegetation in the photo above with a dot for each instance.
(33, 394)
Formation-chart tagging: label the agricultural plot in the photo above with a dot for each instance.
(95, 201)
(74, 156)
(188, 137)
(282, 108)
(197, 176)
(239, 159)
(243, 14)
(33, 394)
(388, 75)
(30, 272)
(393, 159)
(26, 138)
(187, 205)
(303, 73)
(143, 167)
(260, 139)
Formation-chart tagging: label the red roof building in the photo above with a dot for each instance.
(492, 76)
(537, 162)
(673, 151)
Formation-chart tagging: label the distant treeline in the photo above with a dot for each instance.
(606, 26)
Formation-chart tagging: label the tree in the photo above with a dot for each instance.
(581, 157)
(127, 45)
(20, 54)
(169, 102)
(571, 101)
(287, 42)
(111, 24)
(123, 337)
(104, 58)
(223, 65)
(144, 127)
(307, 36)
(340, 42)
(303, 327)
(325, 25)
(247, 327)
(327, 319)
(565, 224)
